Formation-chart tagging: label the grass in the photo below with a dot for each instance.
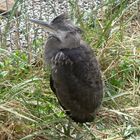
(30, 111)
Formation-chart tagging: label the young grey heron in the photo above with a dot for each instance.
(75, 74)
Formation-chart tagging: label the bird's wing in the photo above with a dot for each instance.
(83, 65)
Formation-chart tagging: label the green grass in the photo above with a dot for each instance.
(28, 108)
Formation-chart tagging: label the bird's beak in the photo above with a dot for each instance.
(44, 24)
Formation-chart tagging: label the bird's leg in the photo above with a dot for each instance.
(79, 134)
(67, 128)
(86, 126)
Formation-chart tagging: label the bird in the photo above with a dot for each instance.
(75, 77)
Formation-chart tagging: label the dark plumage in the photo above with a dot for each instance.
(75, 75)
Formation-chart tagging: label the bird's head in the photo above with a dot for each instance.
(62, 31)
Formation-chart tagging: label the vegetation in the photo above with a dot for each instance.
(30, 111)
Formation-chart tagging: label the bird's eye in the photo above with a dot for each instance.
(69, 34)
